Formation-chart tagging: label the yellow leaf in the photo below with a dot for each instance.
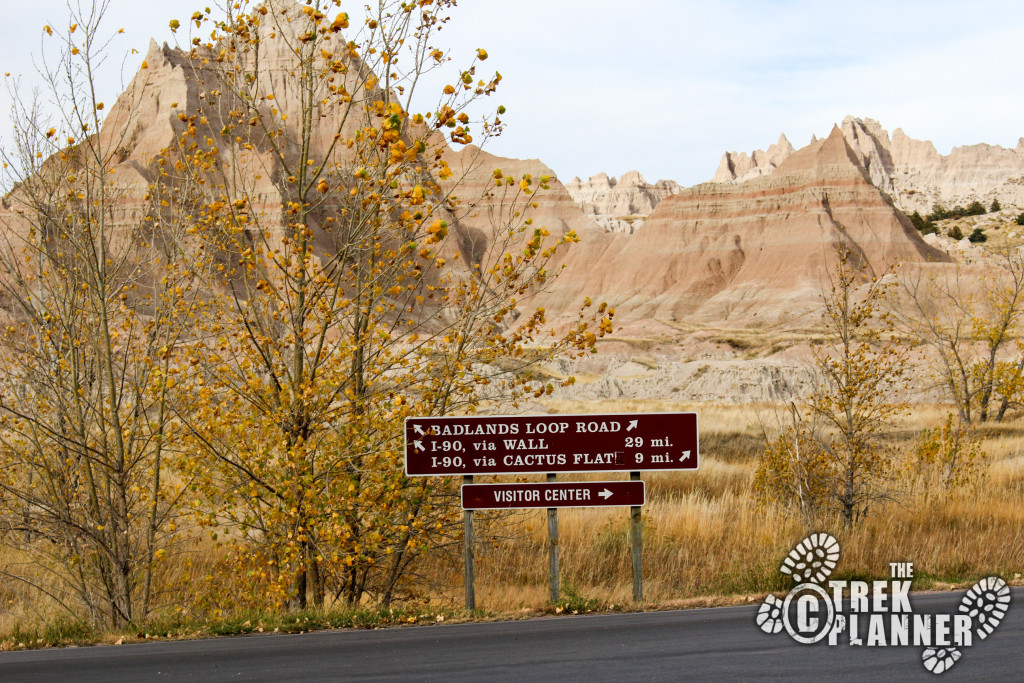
(481, 54)
(340, 22)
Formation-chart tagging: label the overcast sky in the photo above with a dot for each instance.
(665, 87)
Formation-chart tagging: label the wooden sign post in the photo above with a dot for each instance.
(636, 546)
(553, 580)
(552, 444)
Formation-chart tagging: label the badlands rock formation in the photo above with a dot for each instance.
(619, 204)
(742, 253)
(473, 167)
(172, 91)
(910, 171)
(738, 166)
(747, 253)
(483, 211)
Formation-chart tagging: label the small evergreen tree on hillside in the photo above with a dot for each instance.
(924, 225)
(996, 206)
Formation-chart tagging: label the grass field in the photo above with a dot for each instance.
(706, 541)
(705, 537)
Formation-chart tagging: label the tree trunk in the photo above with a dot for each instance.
(314, 577)
(300, 586)
(1005, 403)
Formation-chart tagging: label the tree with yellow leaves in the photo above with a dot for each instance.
(347, 294)
(96, 306)
(833, 460)
(971, 325)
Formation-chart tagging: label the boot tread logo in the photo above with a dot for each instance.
(876, 613)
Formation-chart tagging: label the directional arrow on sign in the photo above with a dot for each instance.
(553, 495)
(645, 442)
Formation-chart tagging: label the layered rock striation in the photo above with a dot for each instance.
(485, 211)
(174, 92)
(911, 172)
(751, 252)
(743, 252)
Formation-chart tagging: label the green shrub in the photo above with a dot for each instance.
(925, 226)
(977, 236)
(940, 213)
(956, 233)
(975, 208)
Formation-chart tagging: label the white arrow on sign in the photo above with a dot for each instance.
(686, 456)
(419, 445)
(632, 425)
(418, 429)
(606, 494)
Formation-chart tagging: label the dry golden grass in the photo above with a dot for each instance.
(706, 539)
(179, 583)
(705, 536)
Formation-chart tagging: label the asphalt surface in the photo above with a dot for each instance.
(721, 644)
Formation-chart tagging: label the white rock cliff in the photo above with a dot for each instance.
(619, 204)
(911, 172)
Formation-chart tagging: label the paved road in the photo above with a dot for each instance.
(708, 645)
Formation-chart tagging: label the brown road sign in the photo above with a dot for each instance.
(552, 495)
(524, 444)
